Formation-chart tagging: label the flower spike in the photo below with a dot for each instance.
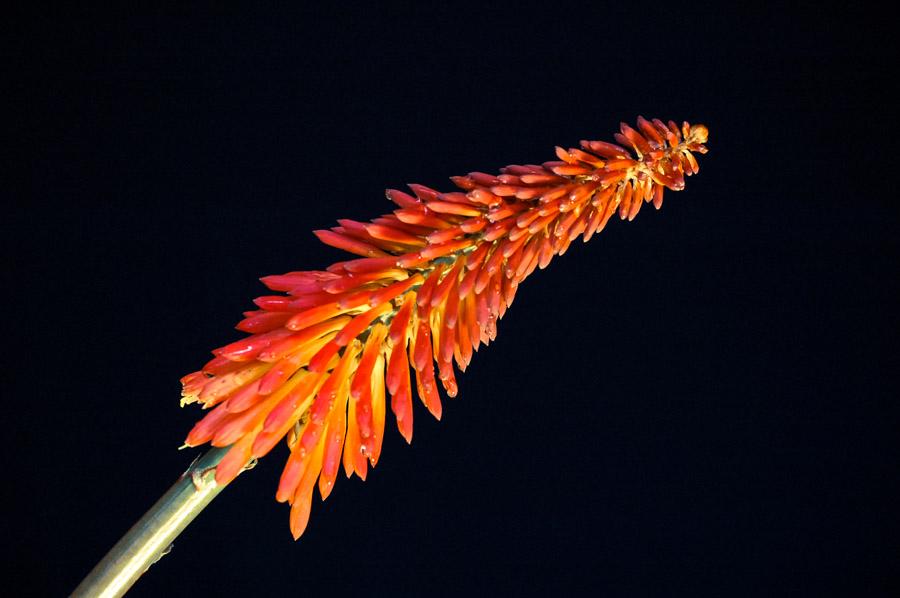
(427, 285)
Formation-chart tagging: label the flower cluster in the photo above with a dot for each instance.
(432, 280)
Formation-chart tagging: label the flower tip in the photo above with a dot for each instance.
(405, 427)
(196, 436)
(299, 517)
(699, 133)
(325, 488)
(357, 462)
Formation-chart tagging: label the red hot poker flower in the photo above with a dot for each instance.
(433, 279)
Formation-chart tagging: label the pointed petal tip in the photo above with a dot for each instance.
(326, 491)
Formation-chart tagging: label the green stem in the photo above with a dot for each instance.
(151, 537)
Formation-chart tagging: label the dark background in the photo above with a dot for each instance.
(701, 402)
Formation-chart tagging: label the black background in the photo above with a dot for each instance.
(701, 402)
